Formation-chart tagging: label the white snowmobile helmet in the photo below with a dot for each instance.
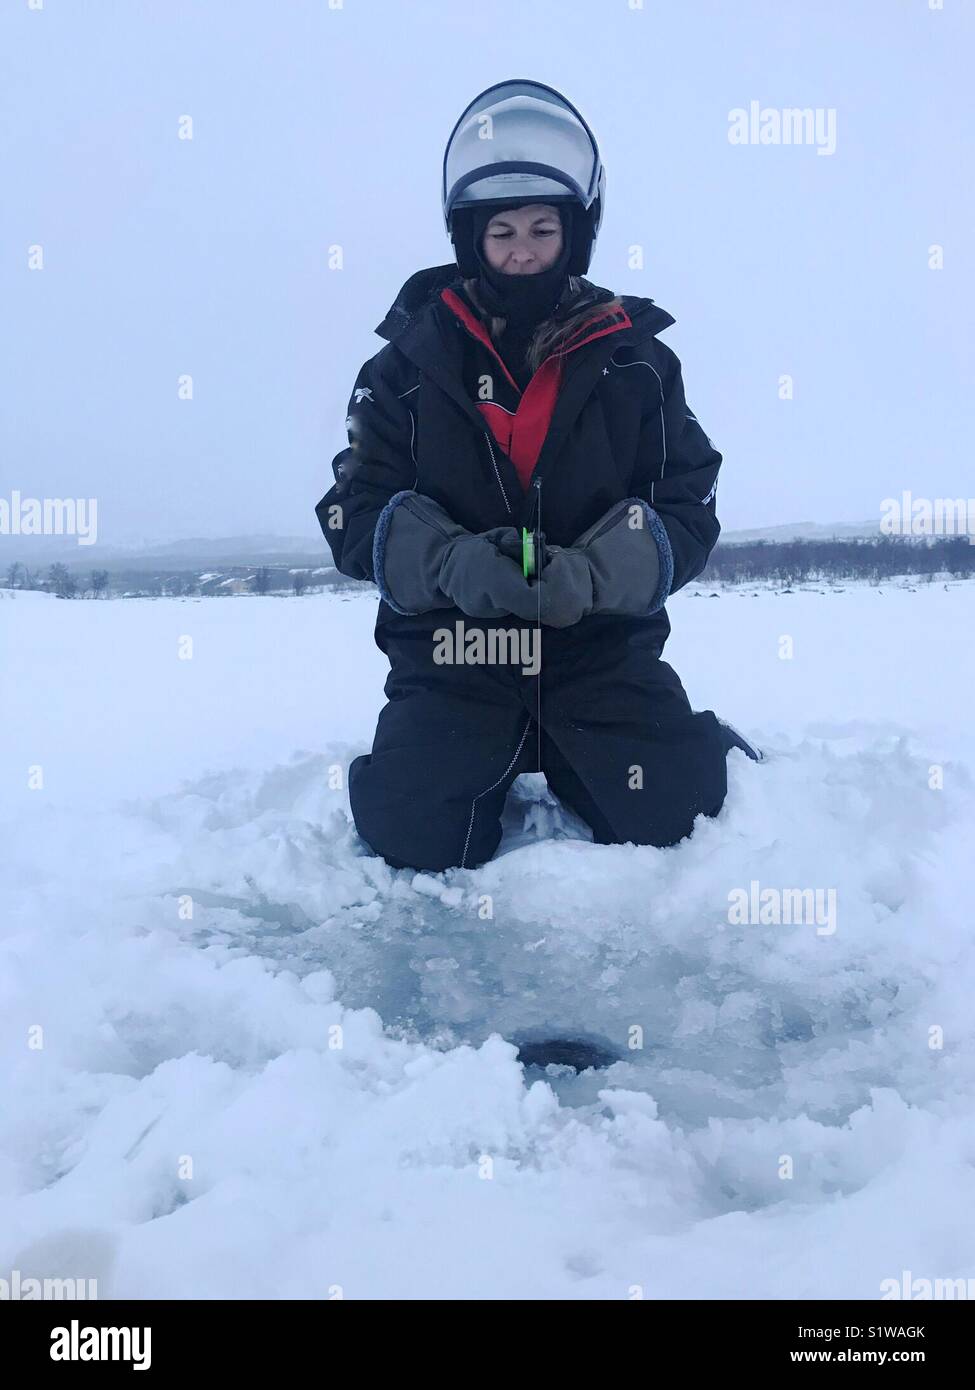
(521, 142)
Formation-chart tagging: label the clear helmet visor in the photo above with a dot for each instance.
(520, 140)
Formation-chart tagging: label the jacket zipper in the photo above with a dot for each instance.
(496, 473)
(536, 486)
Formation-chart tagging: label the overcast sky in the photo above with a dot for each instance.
(316, 124)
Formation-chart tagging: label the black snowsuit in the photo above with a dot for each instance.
(605, 718)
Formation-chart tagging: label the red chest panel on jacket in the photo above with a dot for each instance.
(522, 434)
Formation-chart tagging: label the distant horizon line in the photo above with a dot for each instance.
(294, 538)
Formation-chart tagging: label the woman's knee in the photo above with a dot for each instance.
(414, 825)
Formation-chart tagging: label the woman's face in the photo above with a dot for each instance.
(523, 241)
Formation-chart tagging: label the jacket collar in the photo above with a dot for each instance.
(597, 325)
(421, 293)
(420, 289)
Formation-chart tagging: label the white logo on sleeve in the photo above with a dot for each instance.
(363, 393)
(706, 500)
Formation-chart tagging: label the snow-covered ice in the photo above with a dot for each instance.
(242, 1057)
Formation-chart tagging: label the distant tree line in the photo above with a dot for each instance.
(871, 558)
(60, 581)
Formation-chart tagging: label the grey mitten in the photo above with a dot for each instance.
(422, 559)
(621, 557)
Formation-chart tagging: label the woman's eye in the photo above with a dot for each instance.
(541, 231)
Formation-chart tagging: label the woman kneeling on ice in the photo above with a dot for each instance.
(521, 454)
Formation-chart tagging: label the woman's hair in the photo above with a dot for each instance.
(551, 333)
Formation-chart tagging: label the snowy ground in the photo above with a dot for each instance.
(241, 1057)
